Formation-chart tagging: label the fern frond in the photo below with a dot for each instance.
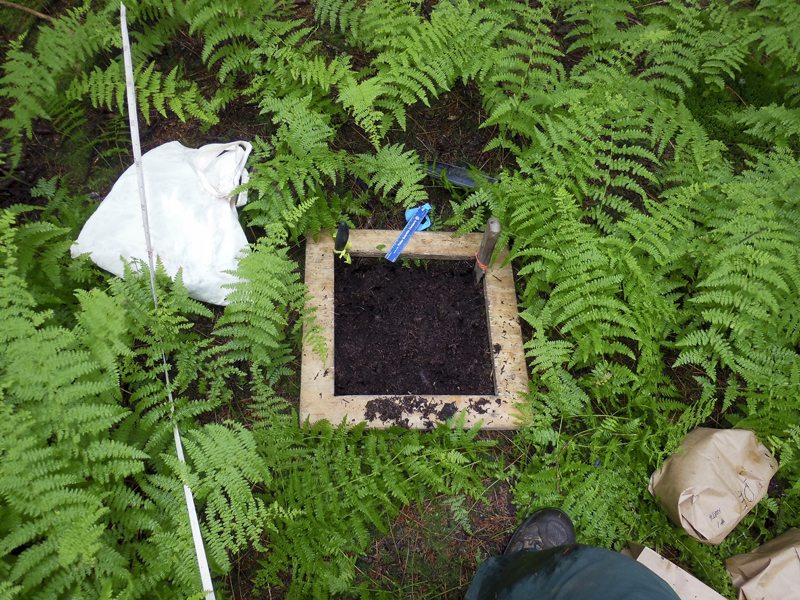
(389, 168)
(774, 124)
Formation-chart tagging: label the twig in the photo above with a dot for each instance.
(751, 235)
(405, 567)
(732, 91)
(27, 10)
(458, 587)
(14, 177)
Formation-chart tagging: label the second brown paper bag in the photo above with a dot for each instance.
(713, 481)
(771, 571)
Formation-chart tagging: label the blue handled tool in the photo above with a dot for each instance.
(408, 231)
(422, 226)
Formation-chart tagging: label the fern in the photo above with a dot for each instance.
(773, 123)
(328, 487)
(257, 318)
(604, 137)
(777, 22)
(227, 467)
(86, 415)
(75, 40)
(752, 283)
(296, 162)
(455, 42)
(676, 41)
(107, 89)
(583, 296)
(339, 14)
(391, 167)
(361, 98)
(477, 202)
(30, 81)
(526, 66)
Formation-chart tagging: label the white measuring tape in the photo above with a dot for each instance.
(200, 551)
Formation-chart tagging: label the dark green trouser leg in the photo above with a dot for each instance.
(567, 573)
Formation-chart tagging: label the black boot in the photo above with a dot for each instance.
(546, 528)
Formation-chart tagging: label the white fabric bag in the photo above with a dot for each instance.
(193, 221)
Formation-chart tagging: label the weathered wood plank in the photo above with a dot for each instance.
(423, 244)
(505, 334)
(316, 376)
(496, 412)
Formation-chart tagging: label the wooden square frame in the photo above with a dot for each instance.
(317, 399)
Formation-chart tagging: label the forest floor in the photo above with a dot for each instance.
(431, 549)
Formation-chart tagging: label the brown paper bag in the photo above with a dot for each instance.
(771, 571)
(686, 586)
(713, 481)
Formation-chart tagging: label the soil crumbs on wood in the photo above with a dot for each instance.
(391, 409)
(410, 329)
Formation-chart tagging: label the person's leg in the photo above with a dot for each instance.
(495, 571)
(543, 562)
(542, 531)
(572, 572)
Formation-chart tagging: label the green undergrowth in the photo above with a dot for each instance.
(427, 552)
(651, 209)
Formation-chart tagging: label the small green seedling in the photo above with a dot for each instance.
(344, 254)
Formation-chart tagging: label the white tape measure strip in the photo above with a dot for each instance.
(197, 537)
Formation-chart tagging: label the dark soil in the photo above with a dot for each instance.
(403, 329)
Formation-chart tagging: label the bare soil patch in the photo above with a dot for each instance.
(408, 328)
